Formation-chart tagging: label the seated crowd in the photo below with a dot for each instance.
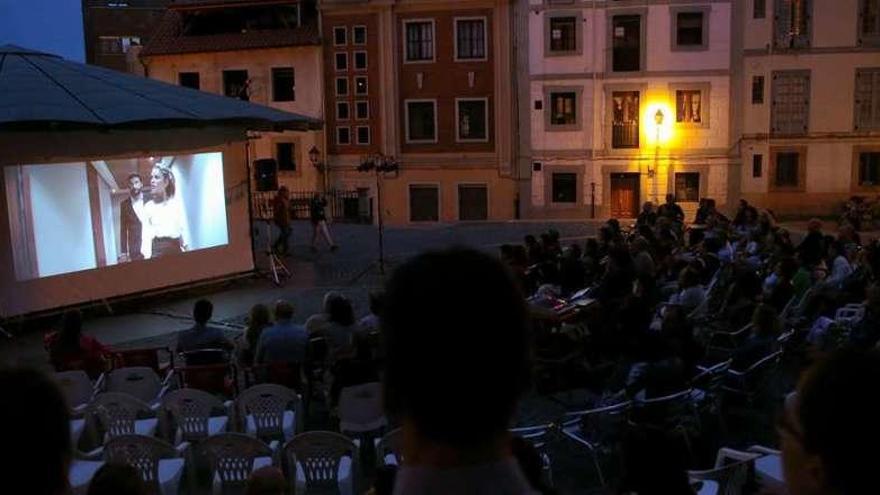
(457, 338)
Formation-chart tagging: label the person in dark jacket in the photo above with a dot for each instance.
(318, 216)
(131, 212)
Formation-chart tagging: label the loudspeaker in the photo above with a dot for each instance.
(266, 174)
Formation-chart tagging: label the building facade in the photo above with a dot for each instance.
(430, 84)
(810, 86)
(116, 30)
(265, 52)
(622, 103)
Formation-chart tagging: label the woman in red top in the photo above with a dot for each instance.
(69, 349)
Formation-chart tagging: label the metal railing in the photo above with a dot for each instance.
(342, 205)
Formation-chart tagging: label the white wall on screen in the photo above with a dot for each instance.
(200, 182)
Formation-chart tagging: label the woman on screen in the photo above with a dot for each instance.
(165, 229)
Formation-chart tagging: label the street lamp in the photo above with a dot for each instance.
(379, 165)
(314, 156)
(658, 119)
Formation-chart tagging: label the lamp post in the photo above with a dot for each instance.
(321, 167)
(652, 173)
(379, 165)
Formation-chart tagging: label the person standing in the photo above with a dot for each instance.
(671, 210)
(318, 216)
(131, 221)
(281, 216)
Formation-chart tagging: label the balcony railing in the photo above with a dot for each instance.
(625, 135)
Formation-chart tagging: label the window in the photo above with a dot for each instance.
(563, 34)
(342, 110)
(564, 188)
(340, 36)
(285, 156)
(362, 134)
(757, 166)
(471, 116)
(419, 41)
(283, 84)
(626, 43)
(759, 9)
(470, 39)
(235, 84)
(757, 90)
(421, 121)
(867, 104)
(424, 204)
(689, 106)
(341, 86)
(869, 22)
(687, 187)
(189, 80)
(360, 60)
(787, 173)
(362, 110)
(793, 21)
(563, 108)
(869, 169)
(359, 33)
(343, 135)
(625, 119)
(690, 30)
(790, 112)
(360, 85)
(341, 61)
(473, 202)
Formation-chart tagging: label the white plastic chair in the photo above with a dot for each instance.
(232, 458)
(322, 462)
(139, 381)
(80, 474)
(269, 412)
(78, 390)
(389, 451)
(161, 465)
(768, 467)
(190, 413)
(733, 471)
(118, 414)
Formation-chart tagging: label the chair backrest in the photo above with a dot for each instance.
(212, 378)
(231, 457)
(316, 352)
(732, 479)
(667, 412)
(360, 408)
(601, 425)
(280, 373)
(711, 379)
(76, 386)
(117, 412)
(390, 445)
(141, 452)
(201, 357)
(145, 357)
(139, 381)
(266, 404)
(189, 410)
(318, 454)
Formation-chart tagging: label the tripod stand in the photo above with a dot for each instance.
(277, 269)
(378, 165)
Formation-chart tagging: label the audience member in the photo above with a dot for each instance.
(268, 480)
(829, 427)
(318, 321)
(437, 360)
(370, 322)
(284, 342)
(35, 426)
(117, 479)
(201, 336)
(259, 319)
(70, 349)
(339, 330)
(761, 342)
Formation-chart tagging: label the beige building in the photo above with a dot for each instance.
(272, 57)
(809, 92)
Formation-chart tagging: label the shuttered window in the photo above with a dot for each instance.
(793, 23)
(867, 104)
(790, 114)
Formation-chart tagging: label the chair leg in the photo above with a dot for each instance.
(598, 468)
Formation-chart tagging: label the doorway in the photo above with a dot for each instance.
(624, 195)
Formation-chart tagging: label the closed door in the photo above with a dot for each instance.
(424, 204)
(624, 195)
(473, 202)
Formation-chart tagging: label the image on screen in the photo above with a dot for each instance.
(89, 215)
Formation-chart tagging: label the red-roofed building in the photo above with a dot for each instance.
(265, 51)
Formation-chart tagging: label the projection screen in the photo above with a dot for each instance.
(88, 230)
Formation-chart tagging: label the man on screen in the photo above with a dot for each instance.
(131, 220)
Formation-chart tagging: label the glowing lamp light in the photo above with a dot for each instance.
(314, 154)
(659, 129)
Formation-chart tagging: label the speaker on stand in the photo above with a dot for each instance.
(266, 180)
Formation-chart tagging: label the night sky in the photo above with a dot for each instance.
(53, 26)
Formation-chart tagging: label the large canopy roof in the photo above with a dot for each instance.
(40, 91)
